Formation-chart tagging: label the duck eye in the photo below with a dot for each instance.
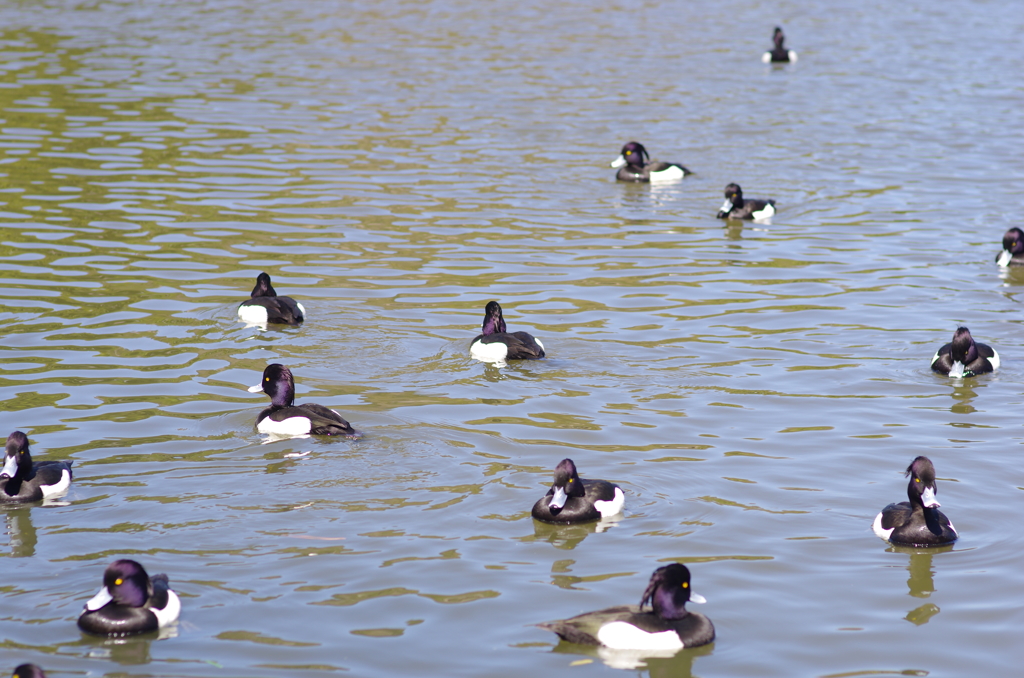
(118, 582)
(629, 152)
(266, 379)
(686, 584)
(570, 480)
(917, 480)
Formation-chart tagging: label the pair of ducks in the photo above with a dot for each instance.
(634, 164)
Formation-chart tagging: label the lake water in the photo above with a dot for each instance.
(756, 389)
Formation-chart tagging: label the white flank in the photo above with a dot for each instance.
(670, 174)
(618, 162)
(301, 309)
(559, 498)
(994, 360)
(101, 598)
(767, 211)
(171, 610)
(792, 55)
(957, 370)
(766, 57)
(489, 353)
(954, 529)
(928, 498)
(619, 635)
(1004, 258)
(612, 506)
(252, 314)
(877, 528)
(539, 344)
(10, 467)
(292, 426)
(934, 358)
(58, 488)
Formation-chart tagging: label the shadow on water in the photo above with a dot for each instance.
(963, 396)
(675, 665)
(21, 534)
(569, 537)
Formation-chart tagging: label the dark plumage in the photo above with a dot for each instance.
(28, 671)
(1013, 248)
(779, 54)
(668, 626)
(736, 207)
(283, 417)
(130, 602)
(22, 480)
(494, 344)
(264, 302)
(917, 522)
(963, 357)
(572, 500)
(634, 165)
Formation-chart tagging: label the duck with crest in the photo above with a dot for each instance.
(573, 500)
(634, 164)
(130, 602)
(738, 207)
(917, 522)
(667, 626)
(964, 357)
(264, 306)
(779, 54)
(285, 418)
(495, 345)
(23, 480)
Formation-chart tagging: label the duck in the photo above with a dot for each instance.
(573, 500)
(495, 345)
(285, 418)
(964, 357)
(917, 522)
(779, 54)
(23, 481)
(634, 165)
(28, 671)
(1013, 248)
(264, 306)
(667, 626)
(735, 207)
(130, 602)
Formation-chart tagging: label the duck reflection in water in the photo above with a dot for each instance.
(922, 584)
(21, 534)
(677, 665)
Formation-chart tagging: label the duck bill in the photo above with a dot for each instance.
(957, 370)
(619, 162)
(258, 388)
(10, 467)
(697, 598)
(928, 498)
(1004, 258)
(559, 499)
(726, 206)
(99, 600)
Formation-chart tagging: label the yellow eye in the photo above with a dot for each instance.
(686, 584)
(267, 379)
(629, 153)
(917, 480)
(117, 582)
(570, 480)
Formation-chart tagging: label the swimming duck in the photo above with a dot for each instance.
(285, 418)
(130, 602)
(918, 522)
(735, 207)
(963, 357)
(780, 54)
(22, 480)
(495, 345)
(28, 671)
(264, 306)
(572, 500)
(633, 165)
(1013, 248)
(668, 626)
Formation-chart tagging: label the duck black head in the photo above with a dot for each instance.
(494, 321)
(778, 38)
(567, 484)
(922, 488)
(263, 287)
(669, 591)
(28, 671)
(962, 348)
(126, 583)
(1013, 241)
(277, 383)
(635, 154)
(18, 460)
